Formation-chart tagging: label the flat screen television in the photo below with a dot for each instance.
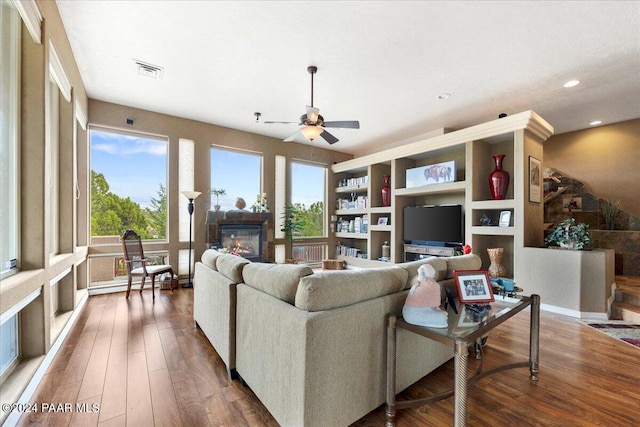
(434, 225)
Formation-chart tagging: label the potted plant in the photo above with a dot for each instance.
(291, 227)
(610, 210)
(570, 235)
(217, 192)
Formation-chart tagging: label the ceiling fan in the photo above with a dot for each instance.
(312, 124)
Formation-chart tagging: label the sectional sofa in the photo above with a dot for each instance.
(311, 345)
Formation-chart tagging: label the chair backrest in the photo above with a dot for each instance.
(132, 248)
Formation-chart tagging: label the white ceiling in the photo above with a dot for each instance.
(383, 63)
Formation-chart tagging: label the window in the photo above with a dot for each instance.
(238, 173)
(8, 344)
(308, 183)
(9, 128)
(128, 185)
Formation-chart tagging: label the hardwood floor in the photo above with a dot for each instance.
(146, 364)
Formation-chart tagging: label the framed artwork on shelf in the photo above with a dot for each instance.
(535, 180)
(474, 286)
(505, 219)
(383, 220)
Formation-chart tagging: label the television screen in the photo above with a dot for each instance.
(434, 224)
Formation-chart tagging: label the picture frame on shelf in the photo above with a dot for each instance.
(431, 174)
(505, 219)
(473, 286)
(535, 180)
(383, 220)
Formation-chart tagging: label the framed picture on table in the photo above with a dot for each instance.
(474, 286)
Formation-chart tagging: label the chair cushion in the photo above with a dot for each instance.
(339, 288)
(152, 269)
(278, 280)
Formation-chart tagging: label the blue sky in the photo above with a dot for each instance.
(133, 166)
(136, 166)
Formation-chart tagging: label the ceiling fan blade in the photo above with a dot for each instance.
(293, 137)
(312, 114)
(284, 123)
(351, 124)
(328, 137)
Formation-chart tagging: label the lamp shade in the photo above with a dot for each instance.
(311, 132)
(191, 195)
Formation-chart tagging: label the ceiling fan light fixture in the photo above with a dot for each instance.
(311, 132)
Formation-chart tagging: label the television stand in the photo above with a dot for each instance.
(414, 252)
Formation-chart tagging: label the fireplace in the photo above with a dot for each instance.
(242, 239)
(247, 234)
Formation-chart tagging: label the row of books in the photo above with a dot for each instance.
(356, 225)
(353, 182)
(362, 202)
(349, 251)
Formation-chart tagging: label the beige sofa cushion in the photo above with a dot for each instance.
(231, 266)
(209, 258)
(278, 280)
(438, 264)
(327, 290)
(462, 262)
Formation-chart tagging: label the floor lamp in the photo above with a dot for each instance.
(191, 195)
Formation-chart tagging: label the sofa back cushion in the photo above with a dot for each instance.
(209, 258)
(462, 262)
(231, 266)
(339, 288)
(278, 280)
(438, 264)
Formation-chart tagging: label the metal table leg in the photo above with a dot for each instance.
(534, 337)
(460, 393)
(390, 410)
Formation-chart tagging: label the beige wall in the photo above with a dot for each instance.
(605, 158)
(205, 135)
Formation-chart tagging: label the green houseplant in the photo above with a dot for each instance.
(570, 235)
(610, 210)
(217, 192)
(291, 226)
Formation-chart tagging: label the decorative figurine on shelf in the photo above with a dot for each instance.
(386, 250)
(422, 306)
(485, 220)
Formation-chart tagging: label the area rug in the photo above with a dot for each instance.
(620, 329)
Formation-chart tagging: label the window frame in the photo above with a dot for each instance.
(325, 233)
(12, 66)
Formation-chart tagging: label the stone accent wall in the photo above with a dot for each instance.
(624, 238)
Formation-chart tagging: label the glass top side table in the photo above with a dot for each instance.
(461, 332)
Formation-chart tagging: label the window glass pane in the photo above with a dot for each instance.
(9, 119)
(128, 185)
(308, 195)
(238, 174)
(281, 196)
(54, 167)
(8, 342)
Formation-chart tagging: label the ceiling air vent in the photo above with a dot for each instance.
(149, 70)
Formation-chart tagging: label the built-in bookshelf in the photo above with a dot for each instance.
(519, 137)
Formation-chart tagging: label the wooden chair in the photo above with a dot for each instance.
(137, 263)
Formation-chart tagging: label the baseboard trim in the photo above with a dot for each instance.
(573, 313)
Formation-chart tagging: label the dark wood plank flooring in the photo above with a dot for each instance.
(146, 364)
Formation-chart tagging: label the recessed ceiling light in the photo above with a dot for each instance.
(444, 96)
(596, 122)
(572, 83)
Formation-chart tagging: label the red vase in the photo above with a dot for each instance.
(498, 179)
(386, 191)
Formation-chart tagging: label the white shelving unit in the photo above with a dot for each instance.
(519, 137)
